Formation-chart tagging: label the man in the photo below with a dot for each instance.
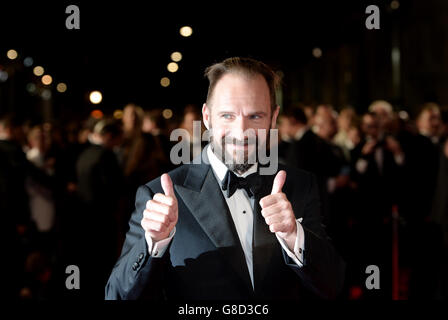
(345, 122)
(378, 170)
(429, 122)
(384, 112)
(377, 166)
(14, 201)
(422, 150)
(426, 209)
(202, 232)
(307, 151)
(339, 195)
(99, 186)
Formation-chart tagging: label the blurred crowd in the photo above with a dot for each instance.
(67, 192)
(376, 170)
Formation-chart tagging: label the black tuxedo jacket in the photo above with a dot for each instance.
(205, 260)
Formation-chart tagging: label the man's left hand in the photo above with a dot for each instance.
(277, 212)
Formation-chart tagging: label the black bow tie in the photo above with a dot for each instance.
(231, 183)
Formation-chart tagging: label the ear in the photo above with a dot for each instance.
(274, 117)
(206, 116)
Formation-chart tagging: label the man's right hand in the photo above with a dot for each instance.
(161, 213)
(369, 147)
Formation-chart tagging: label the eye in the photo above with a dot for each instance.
(226, 116)
(254, 117)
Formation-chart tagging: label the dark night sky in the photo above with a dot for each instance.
(123, 47)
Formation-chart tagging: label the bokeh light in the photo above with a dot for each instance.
(47, 79)
(95, 97)
(3, 76)
(46, 94)
(38, 71)
(186, 31)
(31, 87)
(176, 56)
(118, 114)
(167, 113)
(165, 82)
(28, 62)
(395, 5)
(97, 114)
(317, 52)
(12, 54)
(172, 67)
(61, 87)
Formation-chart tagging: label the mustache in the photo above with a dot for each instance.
(238, 142)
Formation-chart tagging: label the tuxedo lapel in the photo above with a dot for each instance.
(202, 196)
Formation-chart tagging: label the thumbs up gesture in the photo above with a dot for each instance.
(277, 212)
(161, 213)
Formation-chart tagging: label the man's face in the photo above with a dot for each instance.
(370, 126)
(429, 122)
(326, 126)
(239, 103)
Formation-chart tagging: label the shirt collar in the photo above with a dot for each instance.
(220, 168)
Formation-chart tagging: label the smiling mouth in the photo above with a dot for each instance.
(239, 146)
(234, 146)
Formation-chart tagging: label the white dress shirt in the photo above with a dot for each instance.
(241, 209)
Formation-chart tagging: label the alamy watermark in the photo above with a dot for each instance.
(72, 281)
(373, 20)
(255, 151)
(373, 280)
(72, 21)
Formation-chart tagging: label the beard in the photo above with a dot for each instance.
(239, 161)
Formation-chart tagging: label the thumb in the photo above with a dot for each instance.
(167, 185)
(279, 181)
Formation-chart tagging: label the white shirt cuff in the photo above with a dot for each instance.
(160, 246)
(299, 246)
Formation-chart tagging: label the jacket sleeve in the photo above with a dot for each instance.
(323, 269)
(136, 272)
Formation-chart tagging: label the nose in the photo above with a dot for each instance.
(239, 128)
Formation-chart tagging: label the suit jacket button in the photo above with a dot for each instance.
(135, 266)
(156, 253)
(140, 257)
